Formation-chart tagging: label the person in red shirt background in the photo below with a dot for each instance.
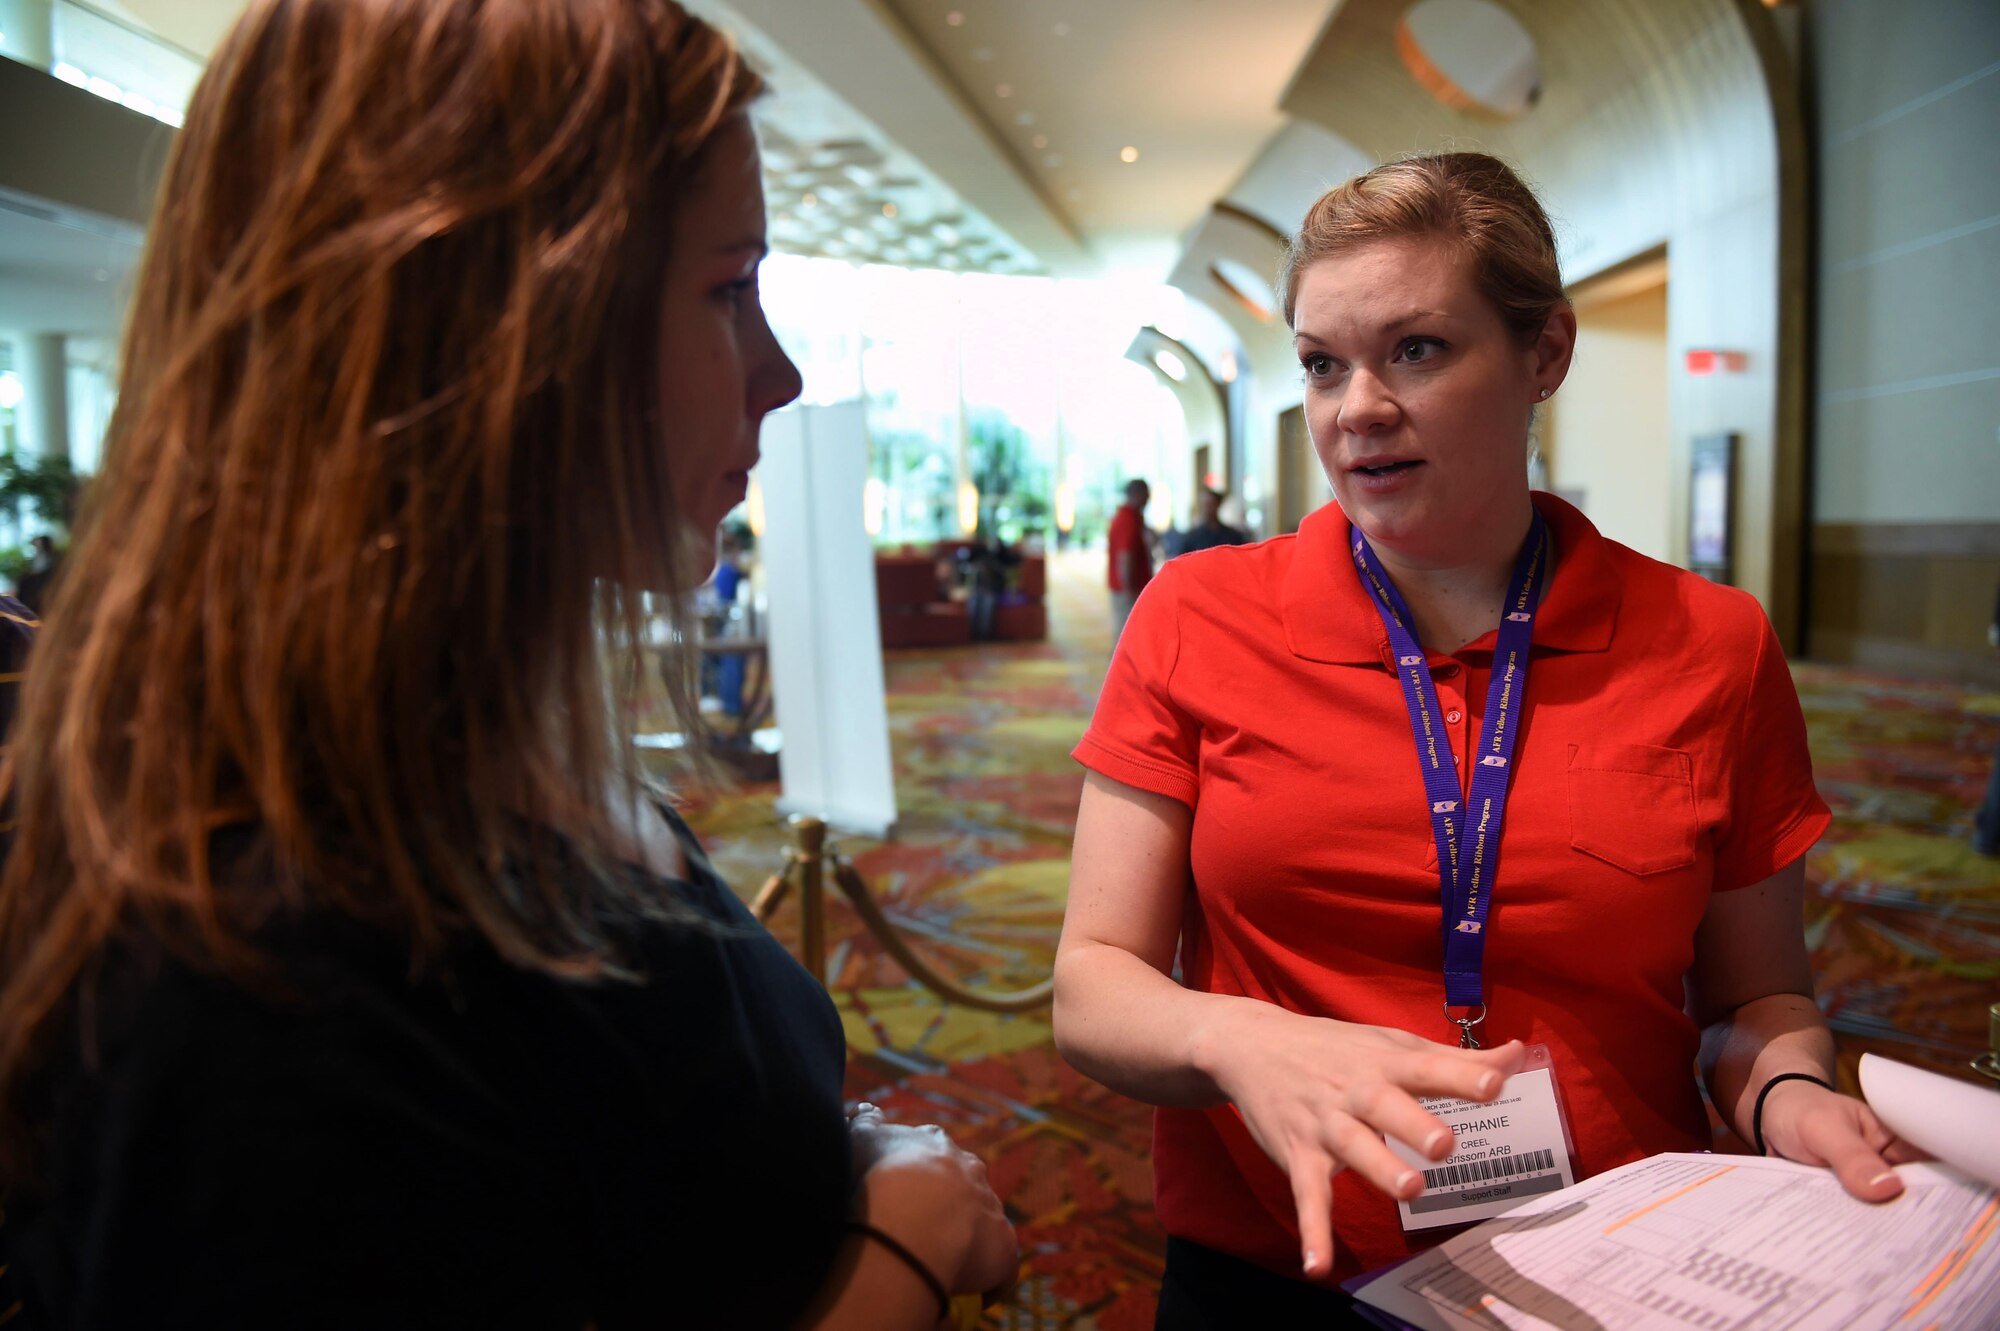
(1253, 807)
(1131, 562)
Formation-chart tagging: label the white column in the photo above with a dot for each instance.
(27, 32)
(43, 362)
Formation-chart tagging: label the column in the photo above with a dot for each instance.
(43, 362)
(27, 32)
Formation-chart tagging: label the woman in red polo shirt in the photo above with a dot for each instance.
(1294, 734)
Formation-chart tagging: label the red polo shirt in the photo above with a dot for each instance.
(1128, 533)
(1662, 757)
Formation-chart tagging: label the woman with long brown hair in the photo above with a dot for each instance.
(349, 975)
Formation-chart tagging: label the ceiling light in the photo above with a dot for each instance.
(1004, 90)
(889, 210)
(1170, 365)
(1061, 29)
(809, 199)
(1128, 154)
(1040, 141)
(955, 19)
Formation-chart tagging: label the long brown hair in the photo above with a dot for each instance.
(384, 484)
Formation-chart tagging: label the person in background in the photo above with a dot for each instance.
(351, 973)
(986, 562)
(1209, 529)
(723, 674)
(1445, 775)
(42, 566)
(1130, 547)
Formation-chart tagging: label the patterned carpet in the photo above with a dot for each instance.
(1903, 920)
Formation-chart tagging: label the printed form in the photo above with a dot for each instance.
(1716, 1243)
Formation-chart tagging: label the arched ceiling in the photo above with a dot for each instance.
(996, 129)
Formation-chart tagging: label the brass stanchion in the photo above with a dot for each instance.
(810, 856)
(1988, 1064)
(808, 859)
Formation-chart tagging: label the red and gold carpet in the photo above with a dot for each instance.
(1903, 922)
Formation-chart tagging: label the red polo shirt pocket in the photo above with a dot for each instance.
(1632, 806)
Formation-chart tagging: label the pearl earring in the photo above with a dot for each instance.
(1545, 392)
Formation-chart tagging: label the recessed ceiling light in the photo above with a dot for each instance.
(1004, 90)
(809, 199)
(955, 19)
(1128, 154)
(889, 210)
(1040, 141)
(1061, 30)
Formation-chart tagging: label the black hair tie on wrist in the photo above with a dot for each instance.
(910, 1259)
(1757, 1114)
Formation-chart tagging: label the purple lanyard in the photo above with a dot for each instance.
(1466, 882)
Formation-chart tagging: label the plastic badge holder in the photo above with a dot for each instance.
(1487, 1191)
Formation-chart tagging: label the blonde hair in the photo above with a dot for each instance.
(1467, 199)
(385, 484)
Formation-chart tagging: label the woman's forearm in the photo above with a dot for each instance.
(1122, 1022)
(1759, 1040)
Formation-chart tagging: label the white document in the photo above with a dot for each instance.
(1950, 1119)
(1507, 1151)
(825, 635)
(1719, 1243)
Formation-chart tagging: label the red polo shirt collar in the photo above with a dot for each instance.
(1329, 618)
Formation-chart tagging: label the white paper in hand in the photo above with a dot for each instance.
(1953, 1120)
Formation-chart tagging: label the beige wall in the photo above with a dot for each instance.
(1908, 124)
(1606, 432)
(1906, 521)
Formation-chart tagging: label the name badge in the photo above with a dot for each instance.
(1507, 1152)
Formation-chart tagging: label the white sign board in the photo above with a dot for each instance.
(825, 635)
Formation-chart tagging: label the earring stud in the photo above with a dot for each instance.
(1545, 392)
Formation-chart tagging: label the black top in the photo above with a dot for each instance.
(489, 1147)
(1209, 535)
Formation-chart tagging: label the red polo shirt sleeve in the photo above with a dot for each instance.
(1775, 811)
(1139, 735)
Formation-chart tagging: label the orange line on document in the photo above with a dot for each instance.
(1938, 1281)
(1619, 1224)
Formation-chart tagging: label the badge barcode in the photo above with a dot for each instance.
(1481, 1171)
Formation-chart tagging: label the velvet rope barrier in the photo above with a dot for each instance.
(807, 860)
